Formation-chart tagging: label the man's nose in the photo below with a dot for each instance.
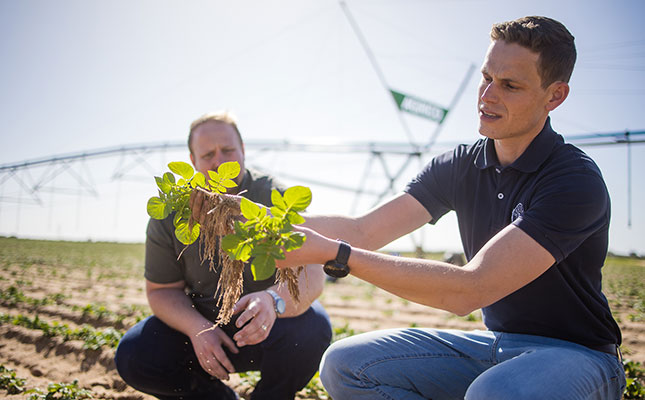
(488, 93)
(218, 160)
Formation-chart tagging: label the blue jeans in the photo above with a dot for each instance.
(449, 364)
(156, 359)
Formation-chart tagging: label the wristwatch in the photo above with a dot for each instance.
(278, 302)
(338, 267)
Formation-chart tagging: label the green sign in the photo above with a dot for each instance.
(419, 107)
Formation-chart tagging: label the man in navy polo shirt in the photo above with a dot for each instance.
(533, 214)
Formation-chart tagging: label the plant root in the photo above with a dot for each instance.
(220, 221)
(289, 277)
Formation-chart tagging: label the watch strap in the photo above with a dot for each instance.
(344, 249)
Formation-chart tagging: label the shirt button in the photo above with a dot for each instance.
(500, 195)
(498, 170)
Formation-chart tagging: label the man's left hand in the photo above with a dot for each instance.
(256, 320)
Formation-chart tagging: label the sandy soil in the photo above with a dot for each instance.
(40, 359)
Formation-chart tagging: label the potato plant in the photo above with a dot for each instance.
(61, 391)
(10, 382)
(260, 239)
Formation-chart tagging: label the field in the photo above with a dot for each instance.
(64, 306)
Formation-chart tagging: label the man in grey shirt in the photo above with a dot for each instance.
(173, 354)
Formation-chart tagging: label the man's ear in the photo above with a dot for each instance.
(558, 91)
(192, 159)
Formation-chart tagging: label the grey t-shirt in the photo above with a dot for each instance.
(163, 264)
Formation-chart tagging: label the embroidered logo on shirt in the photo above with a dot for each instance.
(518, 211)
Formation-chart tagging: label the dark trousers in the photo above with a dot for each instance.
(156, 359)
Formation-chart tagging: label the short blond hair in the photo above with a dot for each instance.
(225, 117)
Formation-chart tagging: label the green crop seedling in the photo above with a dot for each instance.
(261, 238)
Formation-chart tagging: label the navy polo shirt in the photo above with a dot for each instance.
(556, 194)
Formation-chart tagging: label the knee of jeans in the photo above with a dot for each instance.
(331, 365)
(122, 358)
(485, 389)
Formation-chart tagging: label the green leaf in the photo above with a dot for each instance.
(278, 254)
(215, 182)
(249, 209)
(182, 169)
(177, 219)
(230, 242)
(163, 185)
(278, 201)
(198, 180)
(244, 230)
(298, 198)
(227, 183)
(262, 267)
(229, 170)
(237, 249)
(294, 241)
(295, 218)
(214, 176)
(263, 248)
(217, 187)
(169, 178)
(185, 234)
(166, 182)
(277, 212)
(239, 244)
(222, 179)
(263, 214)
(157, 209)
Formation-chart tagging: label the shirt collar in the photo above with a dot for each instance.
(534, 155)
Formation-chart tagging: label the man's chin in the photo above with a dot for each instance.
(486, 132)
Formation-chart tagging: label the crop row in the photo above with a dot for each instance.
(13, 296)
(61, 391)
(93, 338)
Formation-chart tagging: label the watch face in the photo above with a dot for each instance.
(278, 302)
(279, 305)
(335, 269)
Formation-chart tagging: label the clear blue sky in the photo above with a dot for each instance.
(78, 75)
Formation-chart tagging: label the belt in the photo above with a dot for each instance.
(612, 349)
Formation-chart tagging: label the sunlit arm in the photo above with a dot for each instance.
(381, 225)
(510, 260)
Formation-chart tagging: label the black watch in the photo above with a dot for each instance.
(338, 267)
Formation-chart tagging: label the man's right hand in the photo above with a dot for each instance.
(199, 203)
(209, 347)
